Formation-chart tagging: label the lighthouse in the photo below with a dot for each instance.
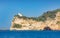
(20, 14)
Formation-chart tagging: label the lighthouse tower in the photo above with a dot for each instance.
(20, 14)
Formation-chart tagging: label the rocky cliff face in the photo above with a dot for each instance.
(24, 23)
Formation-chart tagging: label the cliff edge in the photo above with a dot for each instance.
(50, 20)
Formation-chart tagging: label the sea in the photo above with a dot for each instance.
(29, 34)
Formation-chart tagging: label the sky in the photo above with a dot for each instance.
(9, 8)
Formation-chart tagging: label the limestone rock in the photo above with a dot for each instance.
(29, 24)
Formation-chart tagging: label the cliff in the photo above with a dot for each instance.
(50, 20)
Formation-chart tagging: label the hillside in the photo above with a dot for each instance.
(50, 20)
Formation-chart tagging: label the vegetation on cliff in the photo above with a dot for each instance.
(43, 17)
(58, 22)
(50, 14)
(17, 26)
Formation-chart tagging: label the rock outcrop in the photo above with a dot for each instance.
(25, 23)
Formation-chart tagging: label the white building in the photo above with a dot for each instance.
(20, 14)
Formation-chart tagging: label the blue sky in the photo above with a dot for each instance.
(9, 8)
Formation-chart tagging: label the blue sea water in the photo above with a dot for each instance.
(29, 34)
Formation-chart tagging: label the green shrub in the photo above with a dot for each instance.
(17, 26)
(58, 22)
